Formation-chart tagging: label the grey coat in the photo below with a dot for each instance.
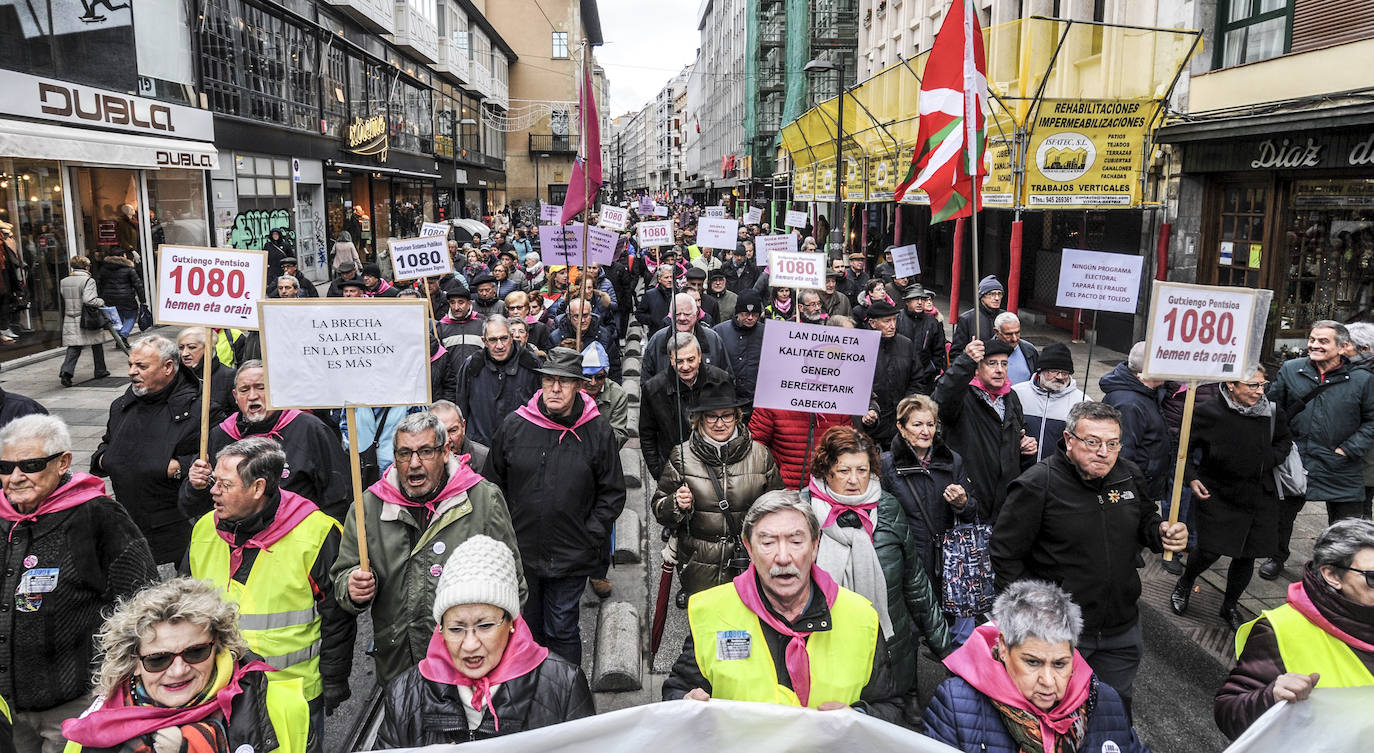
(78, 288)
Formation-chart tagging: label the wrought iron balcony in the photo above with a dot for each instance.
(548, 143)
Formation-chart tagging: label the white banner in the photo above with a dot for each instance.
(652, 234)
(210, 287)
(754, 216)
(1202, 332)
(331, 353)
(1099, 280)
(660, 211)
(717, 232)
(426, 256)
(1331, 719)
(434, 228)
(905, 262)
(714, 212)
(614, 218)
(767, 245)
(794, 219)
(803, 270)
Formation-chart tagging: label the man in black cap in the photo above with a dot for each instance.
(376, 285)
(719, 291)
(983, 422)
(348, 271)
(742, 337)
(989, 306)
(353, 287)
(461, 329)
(1046, 399)
(696, 279)
(924, 330)
(740, 271)
(305, 286)
(897, 374)
(833, 301)
(669, 396)
(557, 462)
(486, 303)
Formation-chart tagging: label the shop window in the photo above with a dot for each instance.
(1242, 235)
(560, 45)
(1329, 233)
(31, 200)
(258, 65)
(1252, 30)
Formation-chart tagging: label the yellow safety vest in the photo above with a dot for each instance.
(224, 345)
(841, 658)
(277, 613)
(5, 709)
(1306, 648)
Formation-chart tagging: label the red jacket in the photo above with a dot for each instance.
(784, 432)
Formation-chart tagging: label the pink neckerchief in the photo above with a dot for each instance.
(448, 318)
(230, 425)
(438, 353)
(117, 720)
(837, 508)
(977, 383)
(975, 663)
(81, 489)
(1299, 600)
(522, 656)
(530, 412)
(460, 479)
(382, 287)
(290, 512)
(798, 662)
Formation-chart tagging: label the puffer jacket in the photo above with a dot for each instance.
(78, 289)
(964, 718)
(423, 712)
(1046, 414)
(927, 512)
(785, 433)
(1341, 416)
(1144, 434)
(119, 284)
(745, 470)
(898, 374)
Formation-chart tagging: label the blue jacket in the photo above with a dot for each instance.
(964, 718)
(1144, 433)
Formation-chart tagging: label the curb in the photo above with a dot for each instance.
(617, 665)
(627, 538)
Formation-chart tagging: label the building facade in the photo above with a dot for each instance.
(716, 100)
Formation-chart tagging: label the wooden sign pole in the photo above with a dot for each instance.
(1182, 458)
(205, 392)
(355, 466)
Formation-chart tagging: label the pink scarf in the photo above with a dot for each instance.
(230, 425)
(977, 383)
(293, 509)
(837, 508)
(1299, 600)
(460, 479)
(975, 663)
(798, 662)
(522, 656)
(118, 720)
(438, 353)
(530, 412)
(81, 489)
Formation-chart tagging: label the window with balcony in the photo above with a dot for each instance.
(560, 45)
(1252, 30)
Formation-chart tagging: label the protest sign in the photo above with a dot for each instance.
(652, 234)
(1336, 716)
(754, 216)
(601, 245)
(714, 212)
(816, 369)
(1204, 333)
(414, 258)
(796, 270)
(434, 228)
(549, 212)
(717, 232)
(614, 218)
(767, 245)
(1099, 280)
(794, 219)
(210, 287)
(660, 211)
(560, 244)
(905, 262)
(646, 205)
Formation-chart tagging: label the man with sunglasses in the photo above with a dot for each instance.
(1079, 518)
(415, 517)
(252, 545)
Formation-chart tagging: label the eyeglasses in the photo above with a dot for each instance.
(1368, 574)
(191, 655)
(482, 630)
(426, 454)
(718, 418)
(1095, 444)
(498, 340)
(32, 465)
(1255, 385)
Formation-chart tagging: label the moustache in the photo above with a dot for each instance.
(787, 570)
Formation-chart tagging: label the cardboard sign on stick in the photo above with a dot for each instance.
(753, 216)
(562, 244)
(816, 369)
(1099, 280)
(905, 262)
(614, 218)
(802, 270)
(794, 219)
(717, 212)
(434, 228)
(767, 245)
(426, 256)
(716, 232)
(653, 234)
(210, 287)
(1205, 333)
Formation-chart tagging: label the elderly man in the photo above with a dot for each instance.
(151, 438)
(856, 276)
(191, 350)
(743, 340)
(289, 268)
(316, 465)
(1022, 361)
(348, 272)
(72, 552)
(897, 375)
(810, 309)
(1046, 399)
(1330, 407)
(496, 381)
(270, 551)
(696, 281)
(657, 302)
(581, 320)
(686, 318)
(286, 287)
(487, 301)
(923, 329)
(557, 461)
(976, 323)
(1144, 430)
(426, 496)
(740, 271)
(461, 329)
(611, 399)
(668, 398)
(1079, 519)
(351, 288)
(744, 636)
(456, 429)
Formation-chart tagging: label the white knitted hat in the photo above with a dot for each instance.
(480, 571)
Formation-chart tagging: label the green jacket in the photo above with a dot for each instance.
(407, 560)
(614, 404)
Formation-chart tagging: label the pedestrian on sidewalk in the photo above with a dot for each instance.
(78, 290)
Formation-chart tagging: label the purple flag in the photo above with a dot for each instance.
(589, 162)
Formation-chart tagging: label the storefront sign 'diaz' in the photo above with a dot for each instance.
(368, 136)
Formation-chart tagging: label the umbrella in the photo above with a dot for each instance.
(665, 589)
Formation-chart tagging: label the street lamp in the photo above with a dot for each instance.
(815, 66)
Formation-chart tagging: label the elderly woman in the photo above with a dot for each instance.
(707, 485)
(1019, 685)
(1322, 636)
(176, 677)
(72, 552)
(78, 289)
(1237, 440)
(484, 675)
(868, 547)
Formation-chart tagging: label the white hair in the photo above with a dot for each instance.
(50, 430)
(1005, 318)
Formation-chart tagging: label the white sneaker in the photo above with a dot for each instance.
(7, 332)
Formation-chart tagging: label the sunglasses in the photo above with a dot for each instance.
(32, 465)
(191, 655)
(1368, 574)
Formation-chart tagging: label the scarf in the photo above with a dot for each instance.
(460, 479)
(82, 488)
(293, 509)
(522, 656)
(781, 306)
(847, 554)
(118, 718)
(978, 666)
(230, 425)
(797, 661)
(530, 412)
(1263, 408)
(977, 383)
(1299, 599)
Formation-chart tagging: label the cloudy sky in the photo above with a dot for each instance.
(647, 43)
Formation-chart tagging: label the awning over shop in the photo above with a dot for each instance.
(89, 146)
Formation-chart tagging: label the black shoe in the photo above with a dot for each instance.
(1178, 600)
(1271, 568)
(1173, 566)
(1231, 616)
(66, 379)
(681, 600)
(101, 374)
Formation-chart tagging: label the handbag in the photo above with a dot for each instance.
(1290, 477)
(145, 317)
(93, 317)
(964, 558)
(738, 561)
(369, 467)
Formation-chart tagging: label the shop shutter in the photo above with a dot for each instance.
(1324, 23)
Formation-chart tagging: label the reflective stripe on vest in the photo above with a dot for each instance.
(453, 341)
(841, 658)
(1306, 648)
(277, 611)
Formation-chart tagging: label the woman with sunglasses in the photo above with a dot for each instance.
(176, 676)
(483, 674)
(70, 553)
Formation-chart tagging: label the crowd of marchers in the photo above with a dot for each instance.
(981, 506)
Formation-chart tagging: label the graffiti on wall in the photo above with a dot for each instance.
(251, 228)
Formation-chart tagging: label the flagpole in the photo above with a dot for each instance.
(586, 198)
(971, 112)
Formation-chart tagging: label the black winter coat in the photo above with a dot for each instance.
(928, 335)
(898, 374)
(443, 372)
(739, 278)
(222, 403)
(488, 392)
(598, 330)
(421, 712)
(920, 490)
(654, 305)
(742, 349)
(14, 405)
(1144, 434)
(990, 446)
(660, 412)
(119, 284)
(1235, 458)
(963, 327)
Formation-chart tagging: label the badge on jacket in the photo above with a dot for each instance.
(732, 644)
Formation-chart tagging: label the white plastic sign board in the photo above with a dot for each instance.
(754, 216)
(210, 287)
(651, 234)
(816, 369)
(1099, 280)
(715, 212)
(717, 232)
(549, 212)
(614, 218)
(562, 244)
(375, 352)
(767, 245)
(794, 218)
(434, 228)
(660, 210)
(1203, 332)
(799, 270)
(905, 261)
(426, 256)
